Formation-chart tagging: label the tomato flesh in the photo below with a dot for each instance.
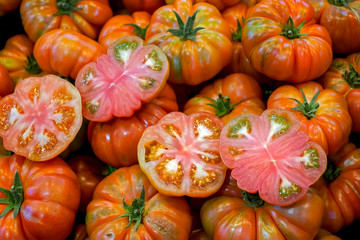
(180, 154)
(41, 118)
(270, 155)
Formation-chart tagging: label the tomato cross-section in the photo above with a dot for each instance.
(180, 154)
(41, 118)
(270, 155)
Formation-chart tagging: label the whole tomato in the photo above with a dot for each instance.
(323, 113)
(228, 97)
(6, 85)
(65, 52)
(339, 189)
(126, 206)
(39, 200)
(195, 38)
(251, 218)
(17, 57)
(124, 25)
(86, 17)
(115, 142)
(8, 5)
(143, 5)
(283, 42)
(343, 76)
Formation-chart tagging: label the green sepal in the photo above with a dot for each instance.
(331, 173)
(222, 105)
(32, 65)
(292, 32)
(15, 197)
(66, 7)
(186, 31)
(139, 31)
(308, 109)
(252, 199)
(352, 77)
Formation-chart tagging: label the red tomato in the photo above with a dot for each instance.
(270, 155)
(180, 154)
(118, 83)
(41, 118)
(6, 85)
(44, 198)
(8, 5)
(143, 5)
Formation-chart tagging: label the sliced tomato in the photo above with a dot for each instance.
(180, 154)
(271, 156)
(41, 118)
(121, 80)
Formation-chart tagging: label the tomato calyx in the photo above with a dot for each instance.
(109, 170)
(340, 3)
(331, 172)
(292, 32)
(352, 77)
(66, 7)
(139, 31)
(236, 36)
(252, 199)
(15, 197)
(186, 31)
(32, 65)
(308, 109)
(135, 210)
(222, 105)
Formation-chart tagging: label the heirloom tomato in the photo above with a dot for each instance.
(129, 75)
(6, 85)
(124, 25)
(344, 77)
(323, 113)
(143, 5)
(339, 187)
(65, 52)
(342, 20)
(283, 42)
(17, 57)
(41, 118)
(195, 38)
(180, 154)
(229, 97)
(115, 142)
(85, 17)
(126, 206)
(251, 218)
(8, 5)
(38, 200)
(269, 154)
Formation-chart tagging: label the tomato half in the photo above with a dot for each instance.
(180, 154)
(270, 155)
(118, 83)
(41, 118)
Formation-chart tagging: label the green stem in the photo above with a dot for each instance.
(32, 65)
(139, 31)
(308, 109)
(352, 77)
(292, 32)
(66, 7)
(222, 105)
(185, 31)
(236, 36)
(331, 172)
(340, 3)
(15, 197)
(109, 170)
(252, 200)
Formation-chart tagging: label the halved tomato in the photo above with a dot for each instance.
(180, 154)
(118, 83)
(41, 118)
(270, 155)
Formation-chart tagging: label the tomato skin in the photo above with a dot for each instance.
(65, 52)
(238, 87)
(191, 62)
(8, 5)
(278, 56)
(331, 127)
(353, 99)
(115, 142)
(325, 235)
(231, 218)
(143, 5)
(6, 85)
(164, 217)
(38, 17)
(342, 202)
(51, 199)
(115, 27)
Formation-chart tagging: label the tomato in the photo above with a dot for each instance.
(341, 19)
(323, 113)
(229, 97)
(115, 142)
(251, 218)
(39, 200)
(199, 234)
(143, 5)
(325, 235)
(65, 52)
(17, 57)
(195, 38)
(343, 76)
(121, 81)
(85, 17)
(219, 4)
(41, 118)
(126, 196)
(124, 25)
(282, 41)
(340, 190)
(8, 5)
(6, 85)
(269, 154)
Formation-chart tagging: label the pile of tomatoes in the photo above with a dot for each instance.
(179, 119)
